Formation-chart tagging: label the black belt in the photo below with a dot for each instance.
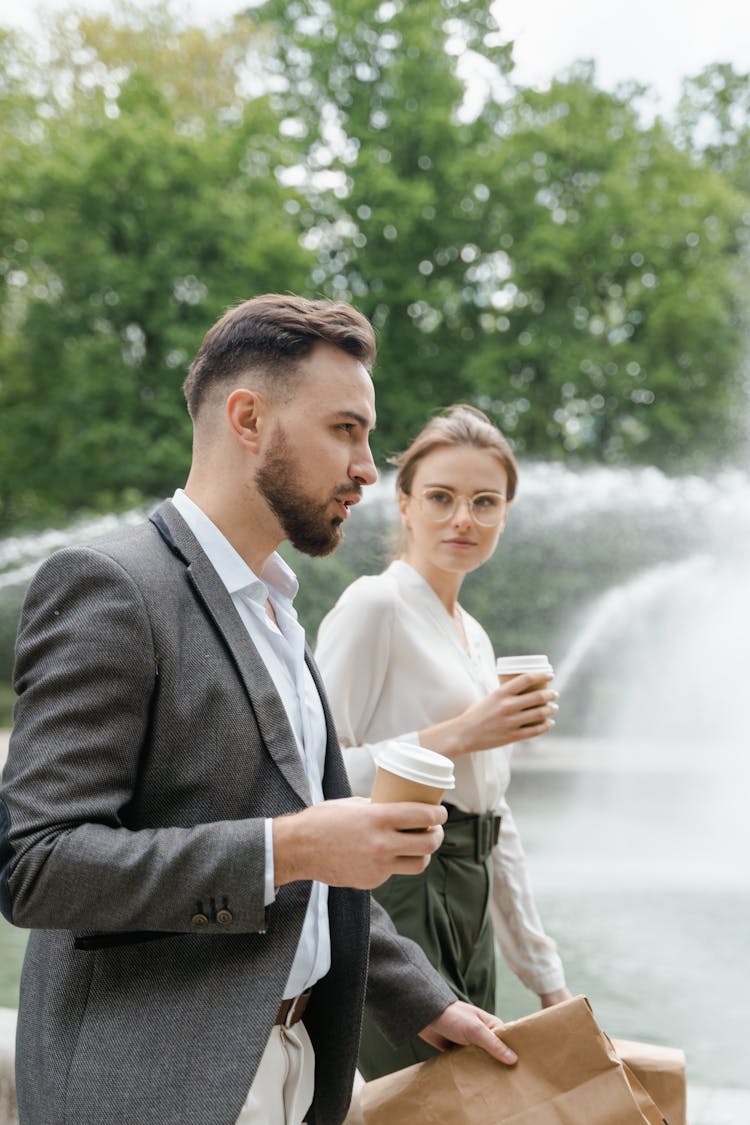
(471, 835)
(291, 1011)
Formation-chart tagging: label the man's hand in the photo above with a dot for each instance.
(464, 1024)
(352, 842)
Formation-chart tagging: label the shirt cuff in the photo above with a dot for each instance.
(269, 893)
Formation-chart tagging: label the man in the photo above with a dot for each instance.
(177, 826)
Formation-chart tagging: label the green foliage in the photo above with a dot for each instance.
(713, 122)
(546, 255)
(397, 236)
(620, 328)
(132, 221)
(7, 700)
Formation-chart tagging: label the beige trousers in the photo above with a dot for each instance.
(283, 1088)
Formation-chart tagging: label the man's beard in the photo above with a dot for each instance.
(306, 523)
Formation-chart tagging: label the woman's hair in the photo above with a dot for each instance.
(457, 425)
(266, 337)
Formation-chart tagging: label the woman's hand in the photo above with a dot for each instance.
(549, 999)
(522, 708)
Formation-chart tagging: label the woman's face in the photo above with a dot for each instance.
(451, 487)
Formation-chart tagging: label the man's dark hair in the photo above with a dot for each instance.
(267, 336)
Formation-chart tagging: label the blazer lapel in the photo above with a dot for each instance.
(264, 699)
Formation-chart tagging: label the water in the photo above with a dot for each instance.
(638, 587)
(648, 896)
(640, 849)
(20, 555)
(660, 652)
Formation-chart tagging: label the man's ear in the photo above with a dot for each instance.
(248, 416)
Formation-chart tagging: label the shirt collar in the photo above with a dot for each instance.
(277, 578)
(407, 572)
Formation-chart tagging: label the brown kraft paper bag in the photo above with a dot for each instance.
(567, 1074)
(662, 1071)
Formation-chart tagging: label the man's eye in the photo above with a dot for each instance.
(347, 427)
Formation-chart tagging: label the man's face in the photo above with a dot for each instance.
(318, 456)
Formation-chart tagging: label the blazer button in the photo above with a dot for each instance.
(224, 917)
(199, 920)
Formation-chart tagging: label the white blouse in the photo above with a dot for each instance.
(393, 664)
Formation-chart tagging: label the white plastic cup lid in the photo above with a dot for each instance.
(514, 665)
(416, 763)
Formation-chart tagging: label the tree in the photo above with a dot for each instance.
(713, 122)
(618, 330)
(136, 211)
(394, 178)
(547, 256)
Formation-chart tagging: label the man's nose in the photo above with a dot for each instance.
(363, 468)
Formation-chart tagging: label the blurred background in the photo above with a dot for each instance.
(545, 211)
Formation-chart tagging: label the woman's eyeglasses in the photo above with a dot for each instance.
(485, 508)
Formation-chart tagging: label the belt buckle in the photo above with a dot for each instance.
(481, 838)
(487, 832)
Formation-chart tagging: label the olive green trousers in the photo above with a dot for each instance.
(445, 910)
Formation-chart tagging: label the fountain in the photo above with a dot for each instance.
(20, 555)
(634, 814)
(633, 811)
(671, 635)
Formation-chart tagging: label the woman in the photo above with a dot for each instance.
(402, 659)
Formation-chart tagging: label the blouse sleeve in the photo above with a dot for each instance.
(353, 650)
(531, 954)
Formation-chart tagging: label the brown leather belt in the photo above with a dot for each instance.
(291, 1011)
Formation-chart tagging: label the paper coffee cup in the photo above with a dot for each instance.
(510, 666)
(406, 772)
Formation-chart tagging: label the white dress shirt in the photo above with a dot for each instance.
(282, 648)
(393, 664)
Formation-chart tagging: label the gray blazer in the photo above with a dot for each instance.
(149, 744)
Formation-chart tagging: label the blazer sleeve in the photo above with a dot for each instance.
(528, 950)
(404, 991)
(72, 854)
